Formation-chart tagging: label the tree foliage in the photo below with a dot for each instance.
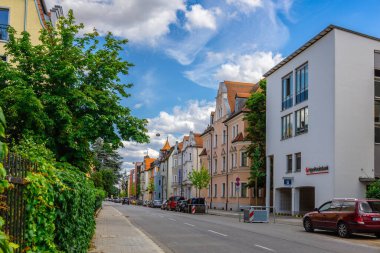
(105, 179)
(66, 91)
(256, 118)
(374, 190)
(200, 179)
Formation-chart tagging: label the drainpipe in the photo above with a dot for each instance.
(25, 15)
(227, 183)
(211, 163)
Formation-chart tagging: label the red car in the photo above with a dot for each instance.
(172, 202)
(346, 216)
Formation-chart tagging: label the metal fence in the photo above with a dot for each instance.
(14, 211)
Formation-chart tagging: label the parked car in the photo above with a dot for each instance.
(156, 203)
(125, 201)
(345, 216)
(164, 205)
(172, 202)
(181, 206)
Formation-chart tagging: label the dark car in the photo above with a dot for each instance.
(164, 205)
(345, 216)
(125, 201)
(156, 203)
(172, 202)
(181, 206)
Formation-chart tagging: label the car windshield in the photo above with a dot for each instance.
(370, 207)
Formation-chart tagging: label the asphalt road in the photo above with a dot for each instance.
(182, 233)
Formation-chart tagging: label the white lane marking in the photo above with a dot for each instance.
(171, 219)
(191, 225)
(259, 246)
(212, 231)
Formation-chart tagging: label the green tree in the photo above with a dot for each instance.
(374, 190)
(256, 118)
(133, 191)
(105, 179)
(200, 179)
(73, 88)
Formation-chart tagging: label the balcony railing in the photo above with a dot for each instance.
(302, 96)
(175, 184)
(287, 102)
(3, 32)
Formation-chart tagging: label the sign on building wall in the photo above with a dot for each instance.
(317, 170)
(288, 181)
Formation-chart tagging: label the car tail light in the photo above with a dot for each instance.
(359, 219)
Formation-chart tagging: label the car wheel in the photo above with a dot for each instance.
(343, 230)
(377, 235)
(308, 225)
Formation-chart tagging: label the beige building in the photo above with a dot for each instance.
(225, 149)
(25, 15)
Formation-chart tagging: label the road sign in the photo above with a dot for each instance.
(238, 181)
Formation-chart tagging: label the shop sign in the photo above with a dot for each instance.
(317, 170)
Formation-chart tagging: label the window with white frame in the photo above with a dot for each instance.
(224, 163)
(215, 165)
(233, 132)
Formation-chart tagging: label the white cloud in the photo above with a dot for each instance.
(138, 106)
(198, 17)
(139, 21)
(192, 116)
(246, 5)
(219, 67)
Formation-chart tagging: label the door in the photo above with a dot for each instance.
(332, 214)
(318, 218)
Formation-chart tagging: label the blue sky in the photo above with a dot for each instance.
(183, 49)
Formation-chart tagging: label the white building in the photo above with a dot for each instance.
(192, 147)
(320, 120)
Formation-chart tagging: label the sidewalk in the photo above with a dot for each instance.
(289, 220)
(115, 234)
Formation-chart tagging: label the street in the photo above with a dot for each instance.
(179, 232)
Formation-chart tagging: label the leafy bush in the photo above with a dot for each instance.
(61, 202)
(374, 190)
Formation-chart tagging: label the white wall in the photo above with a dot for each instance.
(316, 146)
(354, 108)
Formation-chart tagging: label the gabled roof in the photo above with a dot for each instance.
(238, 138)
(203, 153)
(311, 42)
(148, 161)
(242, 95)
(198, 140)
(234, 88)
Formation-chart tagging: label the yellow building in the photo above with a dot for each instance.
(25, 15)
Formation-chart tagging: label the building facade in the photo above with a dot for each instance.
(225, 149)
(192, 147)
(25, 15)
(322, 135)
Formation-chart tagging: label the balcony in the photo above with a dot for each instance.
(4, 32)
(175, 184)
(302, 96)
(287, 102)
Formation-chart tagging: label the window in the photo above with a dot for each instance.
(224, 137)
(325, 207)
(377, 88)
(377, 111)
(232, 189)
(298, 162)
(216, 140)
(232, 160)
(289, 164)
(209, 190)
(302, 84)
(244, 189)
(377, 134)
(223, 190)
(159, 182)
(348, 206)
(190, 156)
(287, 93)
(215, 165)
(215, 190)
(244, 159)
(237, 130)
(286, 127)
(4, 18)
(302, 121)
(224, 163)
